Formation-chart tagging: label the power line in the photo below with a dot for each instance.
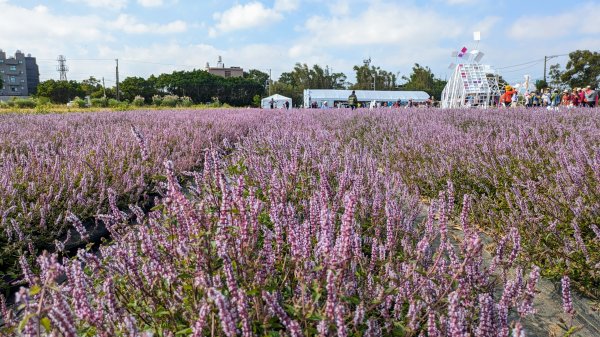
(521, 64)
(527, 67)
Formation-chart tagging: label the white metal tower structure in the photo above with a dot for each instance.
(62, 67)
(472, 84)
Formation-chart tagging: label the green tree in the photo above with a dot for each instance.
(541, 85)
(92, 87)
(257, 76)
(60, 91)
(292, 84)
(423, 79)
(555, 75)
(367, 76)
(201, 86)
(137, 86)
(582, 69)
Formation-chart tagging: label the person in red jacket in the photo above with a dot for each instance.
(506, 98)
(508, 94)
(575, 98)
(581, 97)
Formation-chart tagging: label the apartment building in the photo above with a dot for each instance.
(20, 74)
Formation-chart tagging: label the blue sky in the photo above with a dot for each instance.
(156, 36)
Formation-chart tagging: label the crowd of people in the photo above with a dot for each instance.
(584, 97)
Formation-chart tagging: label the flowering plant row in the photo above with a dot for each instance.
(310, 223)
(54, 166)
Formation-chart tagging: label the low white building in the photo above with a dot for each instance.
(335, 97)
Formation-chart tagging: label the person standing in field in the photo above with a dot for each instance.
(591, 96)
(515, 99)
(508, 94)
(352, 100)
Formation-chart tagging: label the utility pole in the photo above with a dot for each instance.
(270, 82)
(104, 88)
(117, 71)
(546, 58)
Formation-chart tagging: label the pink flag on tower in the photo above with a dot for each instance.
(463, 51)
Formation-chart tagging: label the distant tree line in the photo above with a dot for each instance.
(199, 85)
(582, 69)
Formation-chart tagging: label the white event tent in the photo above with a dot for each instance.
(332, 96)
(278, 101)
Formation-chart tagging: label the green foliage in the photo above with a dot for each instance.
(257, 76)
(541, 85)
(79, 102)
(423, 79)
(99, 102)
(201, 86)
(170, 100)
(157, 100)
(256, 100)
(185, 101)
(21, 103)
(133, 87)
(555, 74)
(583, 69)
(292, 84)
(138, 101)
(60, 91)
(113, 103)
(92, 87)
(367, 76)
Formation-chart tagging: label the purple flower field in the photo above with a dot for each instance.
(298, 223)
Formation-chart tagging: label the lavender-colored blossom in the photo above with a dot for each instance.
(566, 296)
(432, 330)
(225, 314)
(485, 327)
(141, 142)
(79, 227)
(27, 273)
(201, 321)
(292, 326)
(456, 317)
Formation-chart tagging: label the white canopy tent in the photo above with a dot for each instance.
(278, 102)
(332, 96)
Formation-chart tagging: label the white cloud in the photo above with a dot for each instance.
(339, 7)
(382, 23)
(569, 22)
(286, 5)
(461, 2)
(239, 17)
(150, 3)
(111, 4)
(131, 25)
(171, 56)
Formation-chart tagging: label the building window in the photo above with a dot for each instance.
(22, 81)
(20, 61)
(13, 68)
(227, 73)
(13, 79)
(13, 89)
